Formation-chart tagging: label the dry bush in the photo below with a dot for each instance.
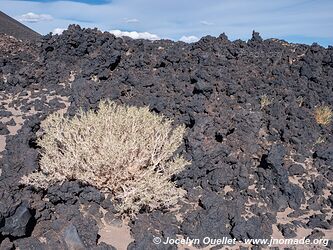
(265, 101)
(323, 115)
(127, 151)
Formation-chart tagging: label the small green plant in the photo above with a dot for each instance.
(264, 101)
(323, 115)
(127, 151)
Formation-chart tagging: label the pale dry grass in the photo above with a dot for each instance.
(323, 115)
(127, 151)
(265, 101)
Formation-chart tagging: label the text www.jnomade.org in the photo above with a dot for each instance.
(229, 241)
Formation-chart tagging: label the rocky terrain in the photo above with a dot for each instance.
(261, 165)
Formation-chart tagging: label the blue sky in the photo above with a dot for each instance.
(300, 21)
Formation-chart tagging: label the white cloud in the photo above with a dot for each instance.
(131, 20)
(57, 31)
(189, 39)
(135, 35)
(34, 18)
(206, 23)
(297, 20)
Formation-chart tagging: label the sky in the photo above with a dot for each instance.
(298, 21)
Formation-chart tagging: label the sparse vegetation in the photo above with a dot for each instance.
(264, 101)
(320, 139)
(300, 101)
(127, 151)
(323, 115)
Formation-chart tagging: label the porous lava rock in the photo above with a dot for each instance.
(244, 154)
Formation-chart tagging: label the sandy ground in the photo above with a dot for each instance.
(9, 102)
(118, 234)
(115, 233)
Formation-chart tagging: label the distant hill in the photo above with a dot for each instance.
(16, 29)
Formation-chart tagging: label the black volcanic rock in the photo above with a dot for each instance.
(3, 129)
(17, 225)
(287, 230)
(240, 150)
(296, 169)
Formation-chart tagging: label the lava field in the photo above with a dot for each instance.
(261, 165)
